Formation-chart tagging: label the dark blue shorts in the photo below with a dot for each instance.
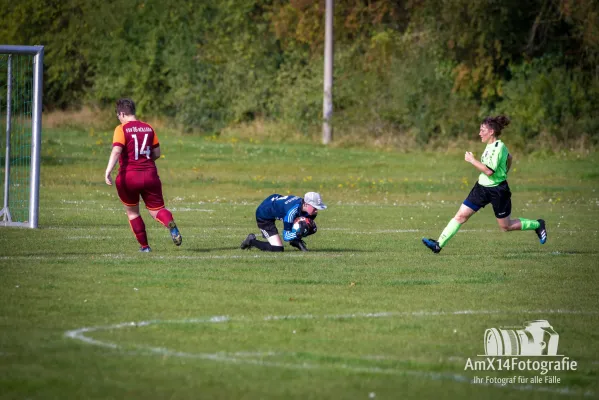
(499, 196)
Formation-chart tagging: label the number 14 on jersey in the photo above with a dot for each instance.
(139, 150)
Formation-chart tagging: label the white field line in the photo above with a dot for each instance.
(253, 205)
(187, 209)
(496, 230)
(88, 237)
(175, 209)
(387, 203)
(247, 256)
(187, 236)
(325, 229)
(245, 357)
(128, 257)
(104, 237)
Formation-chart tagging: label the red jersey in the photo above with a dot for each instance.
(137, 140)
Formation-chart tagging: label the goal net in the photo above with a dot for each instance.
(21, 78)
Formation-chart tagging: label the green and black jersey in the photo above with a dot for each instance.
(495, 158)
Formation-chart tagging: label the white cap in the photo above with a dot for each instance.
(314, 200)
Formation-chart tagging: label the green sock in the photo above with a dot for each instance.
(529, 224)
(450, 230)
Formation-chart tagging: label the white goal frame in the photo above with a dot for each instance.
(36, 120)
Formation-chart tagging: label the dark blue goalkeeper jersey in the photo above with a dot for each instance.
(284, 208)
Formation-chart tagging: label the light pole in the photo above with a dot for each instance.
(327, 109)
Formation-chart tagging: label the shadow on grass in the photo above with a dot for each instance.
(554, 253)
(287, 250)
(211, 249)
(521, 254)
(52, 255)
(341, 250)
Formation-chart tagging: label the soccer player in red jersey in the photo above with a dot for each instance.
(135, 146)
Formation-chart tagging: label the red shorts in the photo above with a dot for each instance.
(132, 184)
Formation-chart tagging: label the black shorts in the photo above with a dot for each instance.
(267, 227)
(500, 196)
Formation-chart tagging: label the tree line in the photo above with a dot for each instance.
(430, 68)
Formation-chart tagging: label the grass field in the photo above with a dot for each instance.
(368, 313)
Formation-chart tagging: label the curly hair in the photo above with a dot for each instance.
(496, 123)
(126, 106)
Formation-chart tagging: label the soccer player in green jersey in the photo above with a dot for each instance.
(491, 188)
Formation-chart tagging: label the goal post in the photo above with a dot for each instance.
(21, 82)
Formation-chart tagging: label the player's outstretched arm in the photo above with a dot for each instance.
(114, 157)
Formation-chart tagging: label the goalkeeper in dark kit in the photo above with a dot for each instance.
(297, 214)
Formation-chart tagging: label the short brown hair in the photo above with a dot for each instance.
(126, 106)
(496, 123)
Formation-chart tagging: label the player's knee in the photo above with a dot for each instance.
(460, 219)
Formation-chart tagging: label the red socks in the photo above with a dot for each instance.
(138, 226)
(164, 216)
(139, 230)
